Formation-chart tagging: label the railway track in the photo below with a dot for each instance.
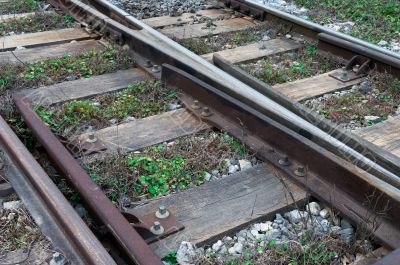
(302, 153)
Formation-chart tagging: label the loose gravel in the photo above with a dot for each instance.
(153, 8)
(333, 23)
(314, 235)
(21, 241)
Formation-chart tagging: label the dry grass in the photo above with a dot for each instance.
(36, 23)
(139, 100)
(164, 168)
(292, 66)
(20, 232)
(230, 40)
(383, 100)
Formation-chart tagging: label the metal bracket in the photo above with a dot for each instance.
(152, 231)
(357, 67)
(83, 147)
(246, 9)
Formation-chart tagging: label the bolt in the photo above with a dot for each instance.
(91, 138)
(162, 212)
(148, 64)
(195, 105)
(206, 112)
(300, 171)
(157, 228)
(284, 161)
(356, 68)
(156, 68)
(343, 75)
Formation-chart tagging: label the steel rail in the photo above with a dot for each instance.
(334, 42)
(153, 45)
(381, 156)
(51, 211)
(356, 193)
(97, 202)
(318, 28)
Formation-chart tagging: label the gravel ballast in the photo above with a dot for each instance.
(147, 9)
(284, 240)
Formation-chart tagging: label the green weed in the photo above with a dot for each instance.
(170, 258)
(19, 6)
(375, 19)
(234, 143)
(67, 67)
(161, 169)
(305, 63)
(139, 100)
(37, 22)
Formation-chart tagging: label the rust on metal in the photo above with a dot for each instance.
(87, 248)
(144, 223)
(246, 9)
(129, 239)
(329, 177)
(381, 156)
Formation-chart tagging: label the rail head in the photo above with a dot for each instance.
(54, 214)
(97, 202)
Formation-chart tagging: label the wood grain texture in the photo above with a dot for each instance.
(314, 86)
(8, 43)
(253, 51)
(48, 52)
(4, 18)
(385, 135)
(218, 207)
(149, 131)
(84, 88)
(201, 30)
(159, 22)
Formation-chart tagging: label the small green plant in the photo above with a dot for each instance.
(243, 37)
(352, 107)
(311, 49)
(233, 143)
(67, 67)
(36, 22)
(140, 100)
(18, 6)
(305, 63)
(170, 258)
(160, 175)
(375, 19)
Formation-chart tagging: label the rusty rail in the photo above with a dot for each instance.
(356, 193)
(380, 156)
(148, 44)
(129, 239)
(57, 219)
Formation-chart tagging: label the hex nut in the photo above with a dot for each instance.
(162, 212)
(157, 229)
(284, 161)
